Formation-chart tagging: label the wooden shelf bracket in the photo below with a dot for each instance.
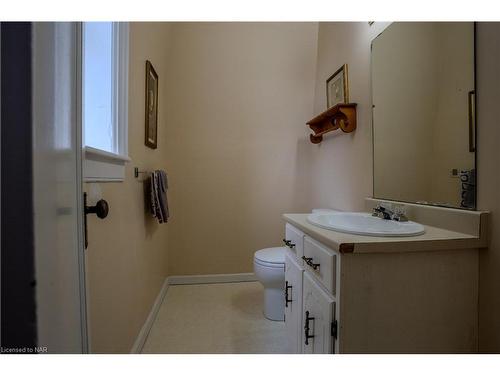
(341, 116)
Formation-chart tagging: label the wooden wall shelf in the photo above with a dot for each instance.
(341, 116)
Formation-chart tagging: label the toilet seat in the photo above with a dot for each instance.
(268, 265)
(271, 257)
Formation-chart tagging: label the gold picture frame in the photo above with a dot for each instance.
(337, 87)
(151, 110)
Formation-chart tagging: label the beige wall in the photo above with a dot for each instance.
(341, 166)
(127, 253)
(239, 95)
(488, 112)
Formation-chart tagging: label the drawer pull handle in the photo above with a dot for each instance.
(288, 243)
(286, 293)
(307, 328)
(310, 263)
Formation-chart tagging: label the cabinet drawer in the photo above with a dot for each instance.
(321, 262)
(296, 238)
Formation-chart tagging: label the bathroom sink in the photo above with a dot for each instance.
(365, 224)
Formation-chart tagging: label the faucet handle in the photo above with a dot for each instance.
(377, 210)
(399, 212)
(382, 212)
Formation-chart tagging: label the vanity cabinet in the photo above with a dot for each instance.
(310, 279)
(354, 294)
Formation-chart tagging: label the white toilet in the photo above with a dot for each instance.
(269, 268)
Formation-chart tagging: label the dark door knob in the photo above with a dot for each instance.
(101, 209)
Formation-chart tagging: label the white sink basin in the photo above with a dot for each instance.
(365, 224)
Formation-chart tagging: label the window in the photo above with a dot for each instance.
(105, 100)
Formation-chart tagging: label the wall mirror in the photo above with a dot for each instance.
(423, 96)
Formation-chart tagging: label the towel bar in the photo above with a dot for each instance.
(137, 171)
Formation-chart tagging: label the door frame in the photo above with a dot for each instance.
(58, 46)
(84, 298)
(0, 182)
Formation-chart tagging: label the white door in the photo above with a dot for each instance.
(57, 180)
(293, 302)
(317, 318)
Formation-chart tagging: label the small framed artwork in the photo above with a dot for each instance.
(337, 87)
(151, 138)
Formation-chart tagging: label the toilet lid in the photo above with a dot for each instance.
(271, 255)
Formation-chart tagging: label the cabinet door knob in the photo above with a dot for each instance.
(309, 262)
(306, 328)
(288, 243)
(287, 300)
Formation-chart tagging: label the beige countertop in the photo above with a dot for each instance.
(432, 240)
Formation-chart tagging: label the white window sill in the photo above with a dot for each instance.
(103, 166)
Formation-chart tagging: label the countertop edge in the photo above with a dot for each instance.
(355, 246)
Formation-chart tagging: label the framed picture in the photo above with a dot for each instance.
(337, 88)
(151, 138)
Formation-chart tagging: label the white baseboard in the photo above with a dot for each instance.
(183, 280)
(211, 279)
(144, 332)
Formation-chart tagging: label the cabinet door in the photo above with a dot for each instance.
(317, 315)
(293, 307)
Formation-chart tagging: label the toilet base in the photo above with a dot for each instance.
(274, 304)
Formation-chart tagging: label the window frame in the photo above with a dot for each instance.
(102, 165)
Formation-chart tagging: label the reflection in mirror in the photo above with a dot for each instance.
(423, 114)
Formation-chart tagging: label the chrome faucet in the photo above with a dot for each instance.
(384, 213)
